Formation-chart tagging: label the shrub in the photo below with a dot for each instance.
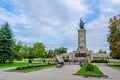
(90, 67)
(99, 61)
(19, 68)
(58, 65)
(24, 67)
(66, 59)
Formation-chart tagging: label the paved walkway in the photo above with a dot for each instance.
(112, 73)
(64, 73)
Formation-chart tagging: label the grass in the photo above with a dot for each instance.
(34, 68)
(115, 66)
(114, 63)
(96, 71)
(16, 64)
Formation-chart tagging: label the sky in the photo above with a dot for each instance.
(55, 23)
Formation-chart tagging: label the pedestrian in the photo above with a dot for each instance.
(44, 61)
(81, 62)
(30, 62)
(74, 61)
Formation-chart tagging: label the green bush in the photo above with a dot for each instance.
(19, 59)
(58, 65)
(90, 67)
(66, 59)
(19, 68)
(99, 61)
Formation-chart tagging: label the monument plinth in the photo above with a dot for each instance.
(81, 41)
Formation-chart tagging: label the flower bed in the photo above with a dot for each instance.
(90, 70)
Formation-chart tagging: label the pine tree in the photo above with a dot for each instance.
(6, 43)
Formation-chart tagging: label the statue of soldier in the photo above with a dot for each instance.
(81, 24)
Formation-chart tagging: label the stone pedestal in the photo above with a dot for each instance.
(82, 41)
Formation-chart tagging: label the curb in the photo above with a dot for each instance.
(92, 75)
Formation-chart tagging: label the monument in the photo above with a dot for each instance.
(82, 39)
(81, 52)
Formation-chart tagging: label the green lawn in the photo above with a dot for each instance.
(114, 63)
(116, 66)
(34, 68)
(96, 71)
(16, 64)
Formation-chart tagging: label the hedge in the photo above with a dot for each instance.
(99, 61)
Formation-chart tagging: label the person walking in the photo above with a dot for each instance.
(30, 62)
(81, 62)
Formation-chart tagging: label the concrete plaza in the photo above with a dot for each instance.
(64, 73)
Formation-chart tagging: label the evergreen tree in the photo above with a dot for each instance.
(114, 36)
(6, 43)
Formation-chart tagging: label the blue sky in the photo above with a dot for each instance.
(55, 22)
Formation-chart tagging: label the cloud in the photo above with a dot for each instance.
(48, 19)
(12, 18)
(98, 28)
(115, 1)
(75, 5)
(55, 22)
(109, 7)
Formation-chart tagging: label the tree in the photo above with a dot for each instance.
(16, 48)
(6, 43)
(60, 50)
(24, 51)
(116, 53)
(51, 53)
(35, 51)
(30, 53)
(39, 49)
(114, 36)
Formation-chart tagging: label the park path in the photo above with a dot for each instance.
(113, 74)
(64, 73)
